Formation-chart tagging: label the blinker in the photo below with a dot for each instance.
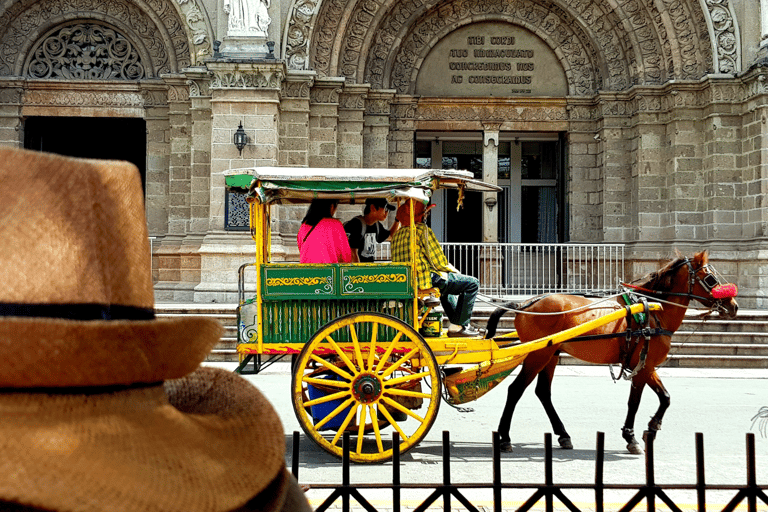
(725, 291)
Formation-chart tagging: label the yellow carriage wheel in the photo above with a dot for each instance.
(367, 374)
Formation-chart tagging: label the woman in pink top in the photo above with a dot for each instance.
(322, 238)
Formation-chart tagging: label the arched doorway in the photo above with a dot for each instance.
(87, 137)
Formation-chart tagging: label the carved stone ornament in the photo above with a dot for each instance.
(724, 28)
(499, 113)
(99, 99)
(270, 78)
(178, 93)
(199, 88)
(325, 95)
(636, 42)
(86, 52)
(157, 35)
(295, 89)
(377, 107)
(297, 40)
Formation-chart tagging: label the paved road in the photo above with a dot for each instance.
(718, 403)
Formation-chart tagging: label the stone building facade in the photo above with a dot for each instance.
(641, 122)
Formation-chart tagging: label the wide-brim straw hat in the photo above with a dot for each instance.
(86, 421)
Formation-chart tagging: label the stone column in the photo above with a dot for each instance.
(324, 121)
(200, 110)
(490, 175)
(402, 127)
(246, 92)
(294, 119)
(350, 134)
(11, 92)
(180, 140)
(376, 129)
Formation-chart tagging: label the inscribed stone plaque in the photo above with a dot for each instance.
(491, 59)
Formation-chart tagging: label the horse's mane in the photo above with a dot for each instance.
(662, 280)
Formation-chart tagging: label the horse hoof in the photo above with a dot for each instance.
(506, 447)
(634, 449)
(565, 443)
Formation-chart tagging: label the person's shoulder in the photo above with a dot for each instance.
(354, 223)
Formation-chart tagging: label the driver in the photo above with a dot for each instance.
(457, 291)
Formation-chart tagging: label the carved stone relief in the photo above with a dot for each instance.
(724, 27)
(295, 90)
(267, 78)
(86, 51)
(101, 99)
(298, 33)
(325, 95)
(157, 33)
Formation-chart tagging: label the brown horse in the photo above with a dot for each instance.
(639, 345)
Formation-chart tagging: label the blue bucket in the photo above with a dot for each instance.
(320, 411)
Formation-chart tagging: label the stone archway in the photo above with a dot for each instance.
(169, 36)
(629, 42)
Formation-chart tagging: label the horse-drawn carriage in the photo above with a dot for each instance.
(363, 359)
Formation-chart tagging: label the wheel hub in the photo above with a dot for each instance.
(366, 388)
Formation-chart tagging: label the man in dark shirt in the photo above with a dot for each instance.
(366, 230)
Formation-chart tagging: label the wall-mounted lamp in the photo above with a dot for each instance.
(240, 138)
(490, 202)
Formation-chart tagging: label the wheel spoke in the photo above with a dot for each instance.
(406, 378)
(361, 429)
(375, 423)
(335, 369)
(372, 353)
(383, 410)
(399, 407)
(352, 413)
(356, 346)
(327, 398)
(326, 382)
(342, 355)
(400, 362)
(390, 348)
(403, 392)
(333, 414)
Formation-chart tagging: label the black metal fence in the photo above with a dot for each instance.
(749, 494)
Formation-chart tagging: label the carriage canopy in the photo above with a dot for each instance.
(279, 185)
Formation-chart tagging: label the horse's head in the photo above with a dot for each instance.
(707, 286)
(694, 278)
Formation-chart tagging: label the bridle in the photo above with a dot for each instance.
(709, 282)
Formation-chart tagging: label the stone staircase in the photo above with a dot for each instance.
(710, 343)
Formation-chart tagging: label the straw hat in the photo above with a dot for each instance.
(87, 423)
(419, 210)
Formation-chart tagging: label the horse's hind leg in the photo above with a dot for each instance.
(544, 392)
(654, 382)
(531, 368)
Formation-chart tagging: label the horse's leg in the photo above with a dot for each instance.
(544, 392)
(628, 431)
(530, 369)
(654, 382)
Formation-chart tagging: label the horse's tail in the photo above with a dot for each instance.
(493, 320)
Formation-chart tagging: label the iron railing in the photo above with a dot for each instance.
(530, 269)
(650, 491)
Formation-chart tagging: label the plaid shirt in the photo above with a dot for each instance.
(429, 255)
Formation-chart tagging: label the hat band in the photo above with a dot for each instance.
(78, 311)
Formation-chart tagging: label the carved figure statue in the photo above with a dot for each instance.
(247, 17)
